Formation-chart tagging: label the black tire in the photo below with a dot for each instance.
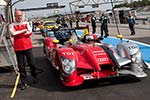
(44, 51)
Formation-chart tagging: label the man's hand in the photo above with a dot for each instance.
(24, 30)
(27, 32)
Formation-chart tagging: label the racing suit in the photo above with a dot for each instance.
(104, 25)
(93, 22)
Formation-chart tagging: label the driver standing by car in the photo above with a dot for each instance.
(21, 32)
(93, 23)
(104, 25)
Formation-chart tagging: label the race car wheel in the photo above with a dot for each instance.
(56, 60)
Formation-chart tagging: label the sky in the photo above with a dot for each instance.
(42, 3)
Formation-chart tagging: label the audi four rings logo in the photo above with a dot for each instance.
(103, 59)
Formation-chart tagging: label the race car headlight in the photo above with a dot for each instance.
(65, 62)
(68, 65)
(72, 63)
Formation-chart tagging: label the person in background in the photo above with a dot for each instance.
(41, 27)
(58, 20)
(131, 22)
(21, 32)
(93, 23)
(63, 22)
(104, 25)
(77, 21)
(70, 21)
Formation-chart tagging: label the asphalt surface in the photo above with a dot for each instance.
(49, 86)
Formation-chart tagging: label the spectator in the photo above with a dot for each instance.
(77, 21)
(104, 25)
(21, 32)
(70, 21)
(63, 22)
(131, 22)
(58, 20)
(93, 22)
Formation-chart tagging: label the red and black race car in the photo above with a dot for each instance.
(78, 61)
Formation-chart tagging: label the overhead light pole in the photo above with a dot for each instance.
(11, 6)
(114, 14)
(15, 2)
(9, 13)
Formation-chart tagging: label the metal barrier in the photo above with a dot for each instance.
(7, 54)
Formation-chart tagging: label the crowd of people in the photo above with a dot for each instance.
(67, 21)
(103, 19)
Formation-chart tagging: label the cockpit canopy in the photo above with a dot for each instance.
(64, 35)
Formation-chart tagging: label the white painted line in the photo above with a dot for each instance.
(134, 41)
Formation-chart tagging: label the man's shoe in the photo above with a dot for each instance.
(101, 38)
(24, 86)
(105, 36)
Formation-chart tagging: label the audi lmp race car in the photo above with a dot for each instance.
(49, 25)
(78, 61)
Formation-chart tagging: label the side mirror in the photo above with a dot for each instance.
(86, 32)
(55, 41)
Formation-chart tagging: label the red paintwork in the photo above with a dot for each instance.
(91, 62)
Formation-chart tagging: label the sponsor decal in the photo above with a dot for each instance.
(102, 59)
(87, 76)
(133, 47)
(99, 52)
(68, 53)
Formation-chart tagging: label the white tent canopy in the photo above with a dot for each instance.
(2, 3)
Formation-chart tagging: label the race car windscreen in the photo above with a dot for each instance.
(62, 35)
